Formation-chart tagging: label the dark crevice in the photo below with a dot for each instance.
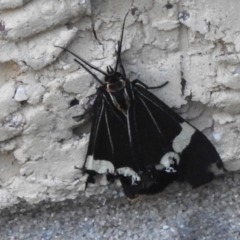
(74, 102)
(183, 15)
(183, 83)
(189, 98)
(168, 5)
(133, 10)
(94, 32)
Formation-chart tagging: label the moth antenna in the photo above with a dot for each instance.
(120, 45)
(110, 70)
(88, 70)
(83, 60)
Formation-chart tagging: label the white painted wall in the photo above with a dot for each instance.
(194, 40)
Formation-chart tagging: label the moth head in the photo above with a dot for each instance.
(115, 81)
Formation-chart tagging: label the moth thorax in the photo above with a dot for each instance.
(116, 86)
(121, 100)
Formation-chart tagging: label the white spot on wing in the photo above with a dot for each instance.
(183, 138)
(167, 160)
(170, 169)
(99, 166)
(128, 172)
(159, 167)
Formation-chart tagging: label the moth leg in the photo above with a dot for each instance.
(136, 81)
(78, 168)
(221, 166)
(90, 179)
(78, 118)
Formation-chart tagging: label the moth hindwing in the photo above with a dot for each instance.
(137, 138)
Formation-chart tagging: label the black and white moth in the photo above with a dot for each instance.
(137, 138)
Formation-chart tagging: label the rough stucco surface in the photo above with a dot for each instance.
(191, 42)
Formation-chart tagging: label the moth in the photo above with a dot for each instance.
(138, 139)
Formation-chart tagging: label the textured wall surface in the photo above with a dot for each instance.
(193, 44)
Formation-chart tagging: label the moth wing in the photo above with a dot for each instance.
(162, 133)
(109, 151)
